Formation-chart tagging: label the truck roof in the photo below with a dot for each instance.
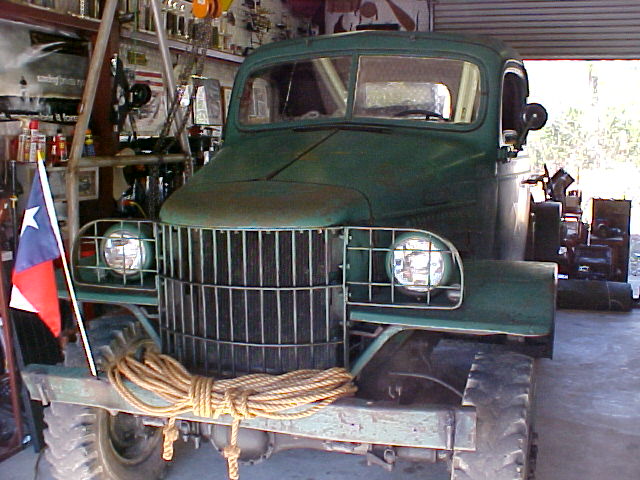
(388, 40)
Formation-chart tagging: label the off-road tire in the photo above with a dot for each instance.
(501, 387)
(87, 443)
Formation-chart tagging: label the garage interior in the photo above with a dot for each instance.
(96, 120)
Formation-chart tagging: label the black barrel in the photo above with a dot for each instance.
(595, 295)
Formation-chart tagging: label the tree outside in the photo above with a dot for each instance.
(593, 130)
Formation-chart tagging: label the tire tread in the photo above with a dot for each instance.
(500, 386)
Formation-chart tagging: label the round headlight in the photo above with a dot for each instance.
(418, 263)
(125, 251)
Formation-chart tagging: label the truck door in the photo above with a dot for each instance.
(513, 195)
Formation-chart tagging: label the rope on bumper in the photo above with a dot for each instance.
(249, 396)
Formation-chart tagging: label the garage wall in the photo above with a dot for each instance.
(585, 29)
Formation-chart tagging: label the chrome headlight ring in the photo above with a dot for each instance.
(126, 250)
(418, 263)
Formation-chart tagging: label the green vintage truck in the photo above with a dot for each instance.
(368, 209)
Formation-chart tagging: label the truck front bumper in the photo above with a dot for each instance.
(347, 420)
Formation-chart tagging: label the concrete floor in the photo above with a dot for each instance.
(588, 419)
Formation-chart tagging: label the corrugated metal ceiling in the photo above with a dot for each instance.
(576, 29)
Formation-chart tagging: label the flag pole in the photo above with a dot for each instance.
(48, 201)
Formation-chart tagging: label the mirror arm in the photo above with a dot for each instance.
(523, 136)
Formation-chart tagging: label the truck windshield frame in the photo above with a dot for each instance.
(389, 88)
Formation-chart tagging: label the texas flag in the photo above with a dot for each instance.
(34, 285)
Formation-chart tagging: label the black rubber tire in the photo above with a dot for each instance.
(501, 387)
(87, 443)
(81, 447)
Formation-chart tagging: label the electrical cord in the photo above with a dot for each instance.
(430, 378)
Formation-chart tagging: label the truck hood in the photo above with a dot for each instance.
(264, 204)
(328, 177)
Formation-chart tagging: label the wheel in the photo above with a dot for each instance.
(87, 443)
(501, 387)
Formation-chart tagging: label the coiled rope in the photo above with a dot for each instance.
(249, 396)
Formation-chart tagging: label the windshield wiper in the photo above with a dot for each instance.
(343, 126)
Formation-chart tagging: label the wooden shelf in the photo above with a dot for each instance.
(44, 16)
(150, 38)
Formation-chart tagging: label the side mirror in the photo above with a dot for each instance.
(534, 117)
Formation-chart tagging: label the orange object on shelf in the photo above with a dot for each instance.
(202, 8)
(217, 8)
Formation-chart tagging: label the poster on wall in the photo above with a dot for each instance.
(151, 116)
(42, 72)
(408, 15)
(208, 105)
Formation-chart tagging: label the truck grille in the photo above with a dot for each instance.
(244, 301)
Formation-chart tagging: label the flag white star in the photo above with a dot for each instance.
(30, 219)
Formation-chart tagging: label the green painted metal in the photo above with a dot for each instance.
(347, 420)
(359, 178)
(234, 205)
(396, 332)
(514, 298)
(112, 296)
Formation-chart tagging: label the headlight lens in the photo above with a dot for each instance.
(418, 263)
(125, 252)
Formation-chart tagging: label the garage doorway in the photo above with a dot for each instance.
(593, 131)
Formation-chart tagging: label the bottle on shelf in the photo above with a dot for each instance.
(23, 143)
(89, 148)
(34, 141)
(59, 153)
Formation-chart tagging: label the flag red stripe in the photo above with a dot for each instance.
(38, 285)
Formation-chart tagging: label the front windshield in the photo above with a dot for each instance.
(417, 88)
(401, 88)
(299, 90)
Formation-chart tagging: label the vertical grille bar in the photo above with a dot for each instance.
(294, 294)
(164, 292)
(230, 295)
(193, 297)
(311, 298)
(393, 277)
(278, 299)
(183, 291)
(261, 284)
(370, 266)
(203, 299)
(246, 300)
(216, 297)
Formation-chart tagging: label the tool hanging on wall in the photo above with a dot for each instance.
(126, 98)
(180, 112)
